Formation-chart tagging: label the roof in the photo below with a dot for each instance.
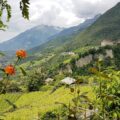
(68, 80)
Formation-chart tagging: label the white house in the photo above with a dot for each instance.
(68, 81)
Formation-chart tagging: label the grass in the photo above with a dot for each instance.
(34, 103)
(4, 106)
(38, 62)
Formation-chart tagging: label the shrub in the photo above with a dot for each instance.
(107, 94)
(34, 82)
(49, 116)
(9, 86)
(116, 51)
(107, 62)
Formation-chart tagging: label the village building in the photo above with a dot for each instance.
(107, 42)
(68, 53)
(68, 81)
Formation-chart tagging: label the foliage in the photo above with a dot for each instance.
(105, 105)
(35, 81)
(107, 62)
(5, 6)
(6, 84)
(107, 94)
(24, 6)
(116, 51)
(9, 86)
(80, 103)
(49, 116)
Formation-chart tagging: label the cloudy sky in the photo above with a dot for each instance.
(62, 13)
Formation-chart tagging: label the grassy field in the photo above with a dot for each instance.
(29, 105)
(4, 106)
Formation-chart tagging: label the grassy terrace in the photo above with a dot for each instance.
(29, 105)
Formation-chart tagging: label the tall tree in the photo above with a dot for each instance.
(5, 6)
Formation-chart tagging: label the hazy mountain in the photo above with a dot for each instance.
(65, 35)
(107, 26)
(80, 27)
(30, 38)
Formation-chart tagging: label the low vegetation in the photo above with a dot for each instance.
(30, 98)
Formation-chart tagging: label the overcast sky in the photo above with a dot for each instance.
(62, 13)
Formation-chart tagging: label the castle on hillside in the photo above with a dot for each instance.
(109, 42)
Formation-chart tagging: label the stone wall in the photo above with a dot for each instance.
(109, 53)
(89, 58)
(84, 61)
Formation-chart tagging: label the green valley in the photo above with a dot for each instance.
(73, 74)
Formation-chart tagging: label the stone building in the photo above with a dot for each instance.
(107, 42)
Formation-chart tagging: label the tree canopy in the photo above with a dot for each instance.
(5, 6)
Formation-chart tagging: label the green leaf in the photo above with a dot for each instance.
(8, 8)
(4, 6)
(94, 70)
(23, 71)
(24, 6)
(110, 97)
(104, 76)
(84, 93)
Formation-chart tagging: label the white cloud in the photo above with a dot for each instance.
(89, 8)
(51, 12)
(63, 13)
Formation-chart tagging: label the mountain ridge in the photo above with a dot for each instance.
(105, 27)
(30, 38)
(66, 35)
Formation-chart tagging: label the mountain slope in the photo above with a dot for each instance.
(80, 27)
(106, 27)
(65, 36)
(30, 38)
